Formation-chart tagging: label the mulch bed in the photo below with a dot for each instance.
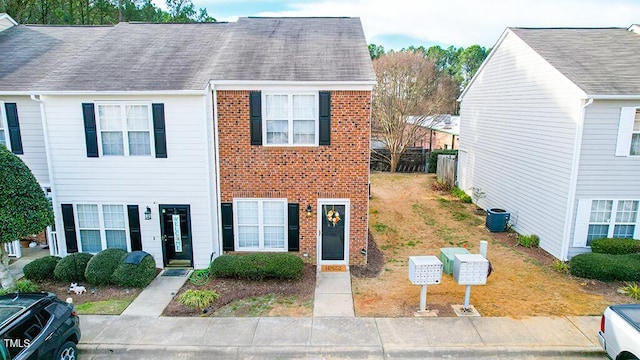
(230, 290)
(93, 293)
(375, 261)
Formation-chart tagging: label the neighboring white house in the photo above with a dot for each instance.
(550, 131)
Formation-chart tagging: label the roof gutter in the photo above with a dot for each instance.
(110, 92)
(613, 97)
(573, 182)
(262, 84)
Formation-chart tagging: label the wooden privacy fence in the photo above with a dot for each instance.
(412, 160)
(446, 170)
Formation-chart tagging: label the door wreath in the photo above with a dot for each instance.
(333, 216)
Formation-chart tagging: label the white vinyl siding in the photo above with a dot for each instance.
(31, 135)
(124, 129)
(185, 177)
(598, 219)
(101, 227)
(290, 119)
(260, 224)
(518, 123)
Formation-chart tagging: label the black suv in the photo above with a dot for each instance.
(37, 326)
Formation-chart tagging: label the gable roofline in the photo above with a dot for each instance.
(8, 17)
(506, 32)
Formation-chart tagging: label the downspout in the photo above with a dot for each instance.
(47, 151)
(216, 158)
(573, 182)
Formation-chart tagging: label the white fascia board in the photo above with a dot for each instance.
(613, 97)
(484, 63)
(270, 84)
(7, 16)
(100, 93)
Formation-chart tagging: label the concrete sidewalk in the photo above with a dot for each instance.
(146, 337)
(332, 333)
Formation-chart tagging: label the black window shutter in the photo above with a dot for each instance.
(14, 128)
(227, 227)
(255, 115)
(90, 130)
(324, 137)
(159, 132)
(69, 228)
(134, 227)
(294, 227)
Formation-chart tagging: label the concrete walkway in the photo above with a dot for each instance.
(333, 294)
(155, 297)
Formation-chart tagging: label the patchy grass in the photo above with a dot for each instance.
(106, 307)
(266, 305)
(424, 220)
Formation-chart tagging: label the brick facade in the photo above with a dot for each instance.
(301, 174)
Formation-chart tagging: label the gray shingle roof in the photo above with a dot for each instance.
(599, 61)
(147, 57)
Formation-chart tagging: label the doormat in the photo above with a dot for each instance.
(175, 272)
(334, 268)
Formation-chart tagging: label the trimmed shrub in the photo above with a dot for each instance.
(258, 266)
(433, 158)
(72, 267)
(102, 265)
(615, 246)
(132, 275)
(41, 269)
(606, 267)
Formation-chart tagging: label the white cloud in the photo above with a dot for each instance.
(466, 22)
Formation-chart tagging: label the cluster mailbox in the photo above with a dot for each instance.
(425, 270)
(470, 269)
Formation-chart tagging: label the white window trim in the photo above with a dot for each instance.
(125, 130)
(103, 234)
(4, 125)
(583, 216)
(625, 131)
(260, 247)
(290, 119)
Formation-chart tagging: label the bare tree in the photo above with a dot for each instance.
(410, 89)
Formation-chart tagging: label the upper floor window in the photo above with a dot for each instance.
(124, 129)
(635, 135)
(628, 142)
(3, 128)
(290, 119)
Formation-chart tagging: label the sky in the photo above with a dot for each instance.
(397, 24)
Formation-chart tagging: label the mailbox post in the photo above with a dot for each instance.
(470, 269)
(424, 270)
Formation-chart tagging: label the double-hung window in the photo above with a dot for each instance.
(612, 219)
(635, 135)
(125, 129)
(101, 227)
(261, 224)
(291, 119)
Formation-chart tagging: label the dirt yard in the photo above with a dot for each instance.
(409, 218)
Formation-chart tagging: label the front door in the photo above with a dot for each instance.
(175, 226)
(334, 231)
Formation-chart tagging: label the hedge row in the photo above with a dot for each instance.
(106, 267)
(606, 267)
(258, 266)
(615, 246)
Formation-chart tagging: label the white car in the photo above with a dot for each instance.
(619, 333)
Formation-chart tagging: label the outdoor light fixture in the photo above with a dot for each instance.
(309, 210)
(147, 213)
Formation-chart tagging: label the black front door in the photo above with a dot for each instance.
(175, 225)
(333, 234)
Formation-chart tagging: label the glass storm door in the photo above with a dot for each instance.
(333, 218)
(175, 225)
